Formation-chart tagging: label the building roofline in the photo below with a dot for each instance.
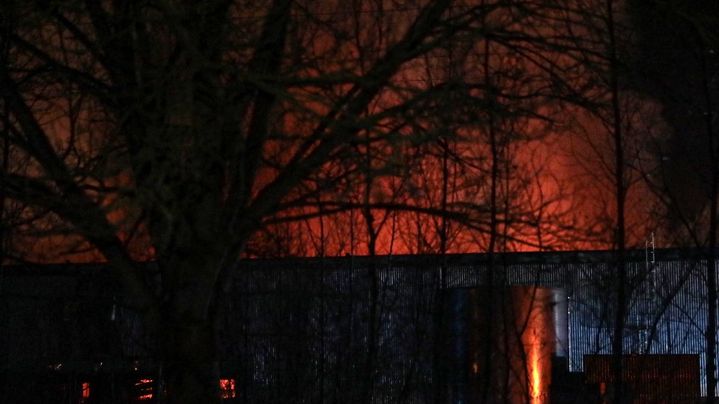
(510, 258)
(422, 260)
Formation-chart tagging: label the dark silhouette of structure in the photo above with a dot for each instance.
(295, 329)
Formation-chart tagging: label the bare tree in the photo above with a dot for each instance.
(191, 134)
(679, 67)
(199, 122)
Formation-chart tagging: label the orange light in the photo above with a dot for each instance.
(537, 338)
(227, 388)
(144, 386)
(536, 387)
(85, 391)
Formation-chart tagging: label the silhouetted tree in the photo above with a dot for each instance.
(195, 123)
(679, 67)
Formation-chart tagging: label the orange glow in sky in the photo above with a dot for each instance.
(552, 184)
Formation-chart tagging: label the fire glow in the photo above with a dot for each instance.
(536, 376)
(538, 340)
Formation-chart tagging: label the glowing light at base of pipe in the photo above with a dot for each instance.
(535, 376)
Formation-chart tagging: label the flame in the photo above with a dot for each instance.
(536, 375)
(537, 339)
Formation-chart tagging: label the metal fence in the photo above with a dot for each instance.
(301, 329)
(301, 326)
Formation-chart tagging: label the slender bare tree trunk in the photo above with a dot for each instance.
(440, 360)
(494, 298)
(711, 328)
(5, 164)
(620, 196)
(372, 326)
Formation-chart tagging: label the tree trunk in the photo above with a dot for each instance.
(487, 390)
(711, 327)
(184, 331)
(620, 279)
(189, 362)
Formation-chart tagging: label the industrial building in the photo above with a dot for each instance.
(299, 330)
